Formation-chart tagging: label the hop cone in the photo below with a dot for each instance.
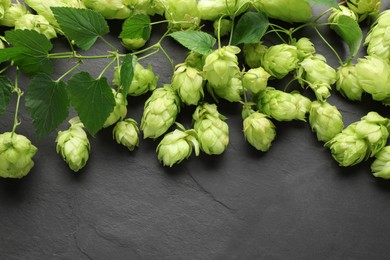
(253, 54)
(177, 146)
(255, 80)
(222, 27)
(305, 48)
(182, 14)
(286, 10)
(259, 131)
(381, 166)
(365, 8)
(16, 153)
(347, 82)
(325, 120)
(113, 9)
(337, 13)
(213, 9)
(160, 112)
(378, 38)
(74, 146)
(279, 60)
(212, 131)
(12, 14)
(231, 92)
(126, 133)
(120, 109)
(188, 84)
(37, 23)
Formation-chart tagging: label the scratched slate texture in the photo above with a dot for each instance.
(293, 202)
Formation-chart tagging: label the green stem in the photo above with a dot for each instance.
(159, 22)
(19, 93)
(149, 54)
(289, 83)
(219, 32)
(168, 57)
(107, 66)
(4, 69)
(69, 71)
(277, 33)
(231, 31)
(108, 43)
(330, 46)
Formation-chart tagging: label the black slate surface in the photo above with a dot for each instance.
(293, 202)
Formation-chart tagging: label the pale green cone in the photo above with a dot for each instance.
(305, 48)
(195, 60)
(253, 54)
(120, 109)
(126, 133)
(188, 83)
(177, 146)
(325, 120)
(337, 13)
(16, 153)
(222, 27)
(160, 112)
(259, 131)
(110, 9)
(365, 8)
(133, 43)
(348, 84)
(2, 46)
(74, 147)
(13, 13)
(255, 80)
(373, 75)
(378, 38)
(231, 92)
(181, 14)
(380, 167)
(279, 60)
(292, 11)
(213, 9)
(4, 5)
(221, 65)
(212, 130)
(37, 23)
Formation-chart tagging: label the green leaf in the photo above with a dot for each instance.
(329, 3)
(92, 98)
(83, 26)
(30, 51)
(136, 26)
(5, 93)
(47, 103)
(196, 41)
(250, 28)
(349, 30)
(127, 73)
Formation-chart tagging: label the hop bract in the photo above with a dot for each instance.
(181, 14)
(120, 109)
(74, 147)
(365, 8)
(4, 5)
(221, 65)
(305, 48)
(279, 60)
(212, 130)
(325, 120)
(16, 153)
(177, 146)
(373, 75)
(13, 13)
(213, 9)
(292, 11)
(259, 131)
(381, 166)
(160, 112)
(188, 83)
(255, 80)
(348, 83)
(37, 23)
(283, 106)
(378, 38)
(126, 133)
(253, 54)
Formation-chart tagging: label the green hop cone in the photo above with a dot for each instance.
(37, 23)
(222, 27)
(373, 75)
(120, 109)
(347, 148)
(160, 112)
(16, 153)
(283, 106)
(4, 6)
(380, 167)
(279, 60)
(325, 120)
(365, 8)
(74, 147)
(110, 9)
(2, 46)
(13, 13)
(315, 72)
(253, 54)
(177, 146)
(305, 48)
(255, 80)
(378, 38)
(337, 13)
(348, 84)
(188, 83)
(231, 92)
(133, 43)
(211, 10)
(126, 133)
(195, 60)
(212, 130)
(181, 14)
(292, 11)
(221, 65)
(259, 131)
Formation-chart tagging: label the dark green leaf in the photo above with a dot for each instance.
(250, 28)
(5, 93)
(92, 98)
(7, 54)
(83, 26)
(47, 103)
(127, 73)
(329, 3)
(349, 30)
(196, 41)
(136, 26)
(30, 50)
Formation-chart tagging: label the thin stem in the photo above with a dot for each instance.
(231, 31)
(69, 71)
(289, 83)
(107, 66)
(330, 46)
(159, 22)
(19, 93)
(168, 57)
(5, 68)
(321, 15)
(149, 54)
(219, 33)
(277, 33)
(108, 43)
(154, 46)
